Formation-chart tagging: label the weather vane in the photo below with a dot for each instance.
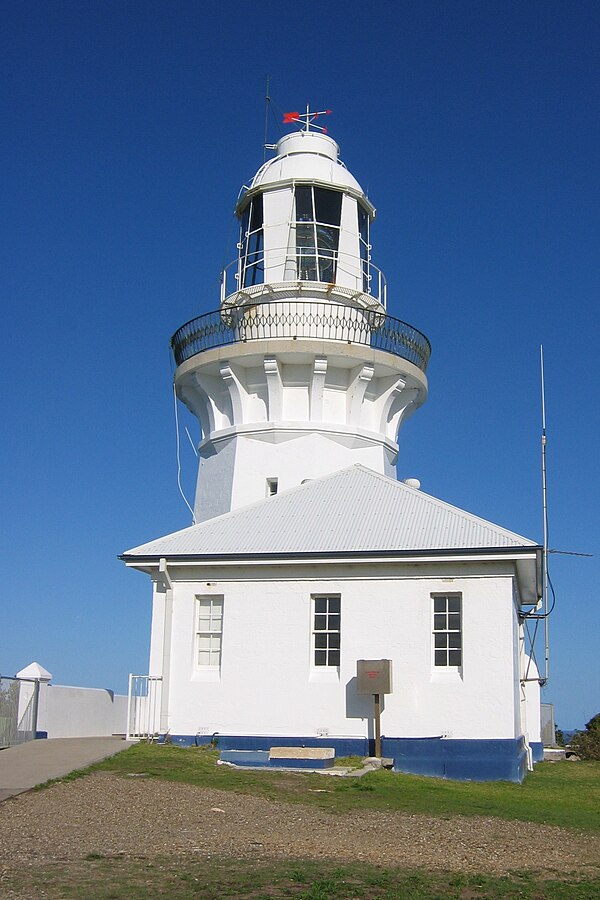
(306, 119)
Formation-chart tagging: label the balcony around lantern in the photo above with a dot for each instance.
(297, 319)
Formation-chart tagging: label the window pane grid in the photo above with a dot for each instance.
(447, 630)
(327, 631)
(210, 627)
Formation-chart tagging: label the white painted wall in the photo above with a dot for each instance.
(267, 685)
(237, 475)
(80, 712)
(293, 414)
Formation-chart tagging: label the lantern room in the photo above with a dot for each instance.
(305, 224)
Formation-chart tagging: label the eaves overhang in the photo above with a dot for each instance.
(346, 555)
(527, 561)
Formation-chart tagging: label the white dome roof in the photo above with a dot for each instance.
(306, 155)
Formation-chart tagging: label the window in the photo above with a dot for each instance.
(447, 630)
(363, 235)
(251, 243)
(318, 216)
(210, 631)
(271, 487)
(326, 630)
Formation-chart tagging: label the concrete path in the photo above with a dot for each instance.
(24, 766)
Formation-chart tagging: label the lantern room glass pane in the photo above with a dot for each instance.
(304, 204)
(252, 265)
(363, 224)
(256, 217)
(328, 206)
(363, 240)
(317, 232)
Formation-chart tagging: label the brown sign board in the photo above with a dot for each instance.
(374, 676)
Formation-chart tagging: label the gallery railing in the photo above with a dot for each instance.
(301, 319)
(308, 265)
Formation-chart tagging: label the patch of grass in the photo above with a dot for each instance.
(301, 879)
(349, 762)
(71, 776)
(562, 793)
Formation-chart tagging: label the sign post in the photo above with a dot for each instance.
(374, 676)
(377, 698)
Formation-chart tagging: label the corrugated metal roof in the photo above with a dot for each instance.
(354, 510)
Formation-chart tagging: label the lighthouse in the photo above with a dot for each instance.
(309, 568)
(300, 372)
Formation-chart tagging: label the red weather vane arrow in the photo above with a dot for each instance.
(306, 119)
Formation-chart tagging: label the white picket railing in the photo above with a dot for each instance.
(143, 707)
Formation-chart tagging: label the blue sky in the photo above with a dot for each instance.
(128, 130)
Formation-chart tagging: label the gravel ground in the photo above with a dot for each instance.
(107, 814)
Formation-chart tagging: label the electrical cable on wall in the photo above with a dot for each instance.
(179, 457)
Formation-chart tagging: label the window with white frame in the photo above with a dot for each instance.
(209, 631)
(326, 629)
(447, 629)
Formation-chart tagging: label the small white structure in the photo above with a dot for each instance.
(307, 553)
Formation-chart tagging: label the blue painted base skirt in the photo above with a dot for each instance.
(460, 760)
(537, 751)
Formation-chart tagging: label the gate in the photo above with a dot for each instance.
(18, 710)
(143, 707)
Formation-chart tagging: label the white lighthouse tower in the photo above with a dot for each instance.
(300, 372)
(307, 556)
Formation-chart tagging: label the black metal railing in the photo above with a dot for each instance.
(301, 319)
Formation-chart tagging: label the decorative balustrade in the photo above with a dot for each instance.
(300, 319)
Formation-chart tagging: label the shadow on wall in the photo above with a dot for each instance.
(361, 706)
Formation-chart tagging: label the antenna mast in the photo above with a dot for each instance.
(267, 101)
(545, 517)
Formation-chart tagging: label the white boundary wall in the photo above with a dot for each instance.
(80, 712)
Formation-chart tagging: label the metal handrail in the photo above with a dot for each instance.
(300, 319)
(287, 259)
